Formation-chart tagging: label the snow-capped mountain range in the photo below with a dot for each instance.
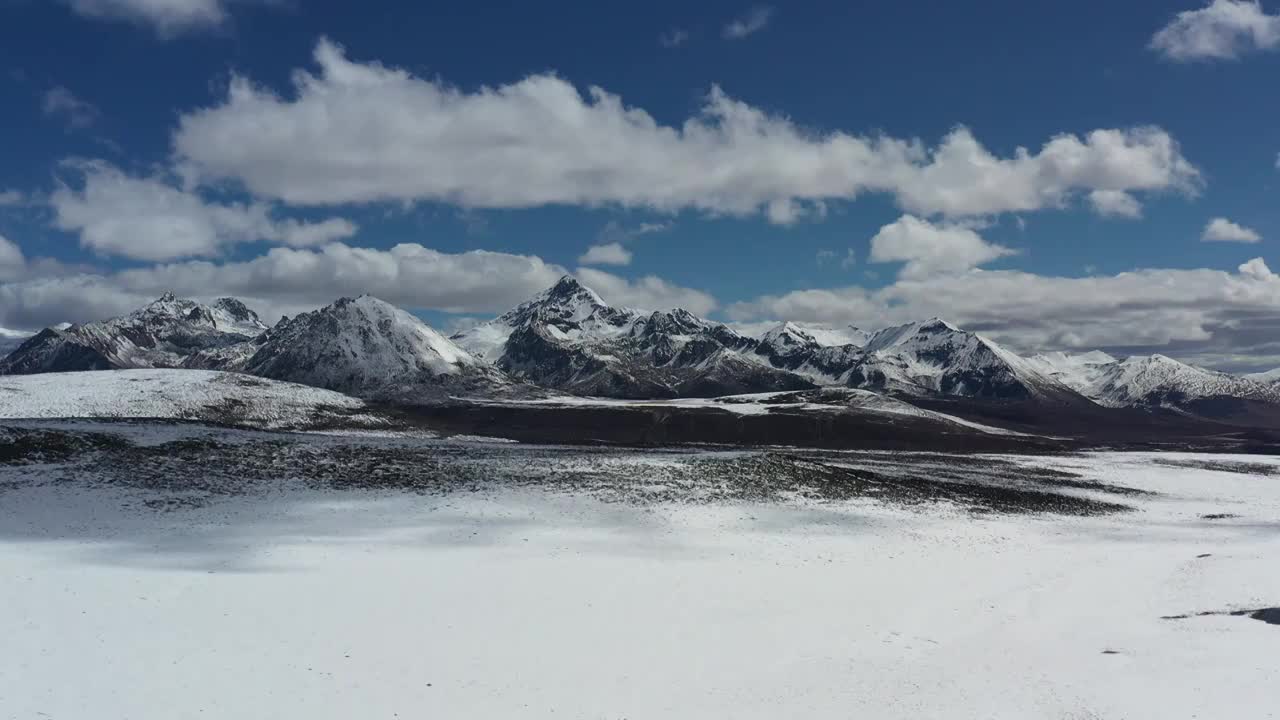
(568, 339)
(168, 333)
(1148, 381)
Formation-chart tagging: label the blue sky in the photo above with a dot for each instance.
(121, 135)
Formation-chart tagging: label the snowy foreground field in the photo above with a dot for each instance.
(176, 571)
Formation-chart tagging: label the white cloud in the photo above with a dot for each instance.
(784, 211)
(960, 177)
(756, 19)
(291, 280)
(675, 37)
(1257, 269)
(1210, 312)
(1223, 230)
(648, 292)
(610, 249)
(152, 219)
(1115, 203)
(62, 103)
(303, 234)
(167, 17)
(929, 249)
(391, 136)
(1222, 30)
(12, 261)
(12, 198)
(608, 254)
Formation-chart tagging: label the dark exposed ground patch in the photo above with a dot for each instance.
(196, 470)
(1231, 466)
(976, 467)
(1219, 516)
(25, 446)
(1270, 616)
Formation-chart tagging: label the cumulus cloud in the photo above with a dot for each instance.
(1257, 269)
(61, 103)
(149, 218)
(291, 280)
(167, 17)
(1222, 30)
(928, 249)
(391, 136)
(12, 261)
(304, 234)
(610, 246)
(608, 254)
(1223, 230)
(1141, 311)
(756, 19)
(1115, 203)
(648, 292)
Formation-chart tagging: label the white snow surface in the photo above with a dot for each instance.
(486, 341)
(174, 394)
(1270, 376)
(1062, 362)
(333, 605)
(823, 335)
(359, 344)
(405, 340)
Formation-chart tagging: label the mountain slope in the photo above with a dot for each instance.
(10, 340)
(1073, 370)
(169, 332)
(367, 347)
(790, 333)
(1157, 380)
(568, 338)
(936, 357)
(1268, 377)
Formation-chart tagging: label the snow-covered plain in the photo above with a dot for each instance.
(294, 602)
(205, 395)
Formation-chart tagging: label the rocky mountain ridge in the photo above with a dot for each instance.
(169, 332)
